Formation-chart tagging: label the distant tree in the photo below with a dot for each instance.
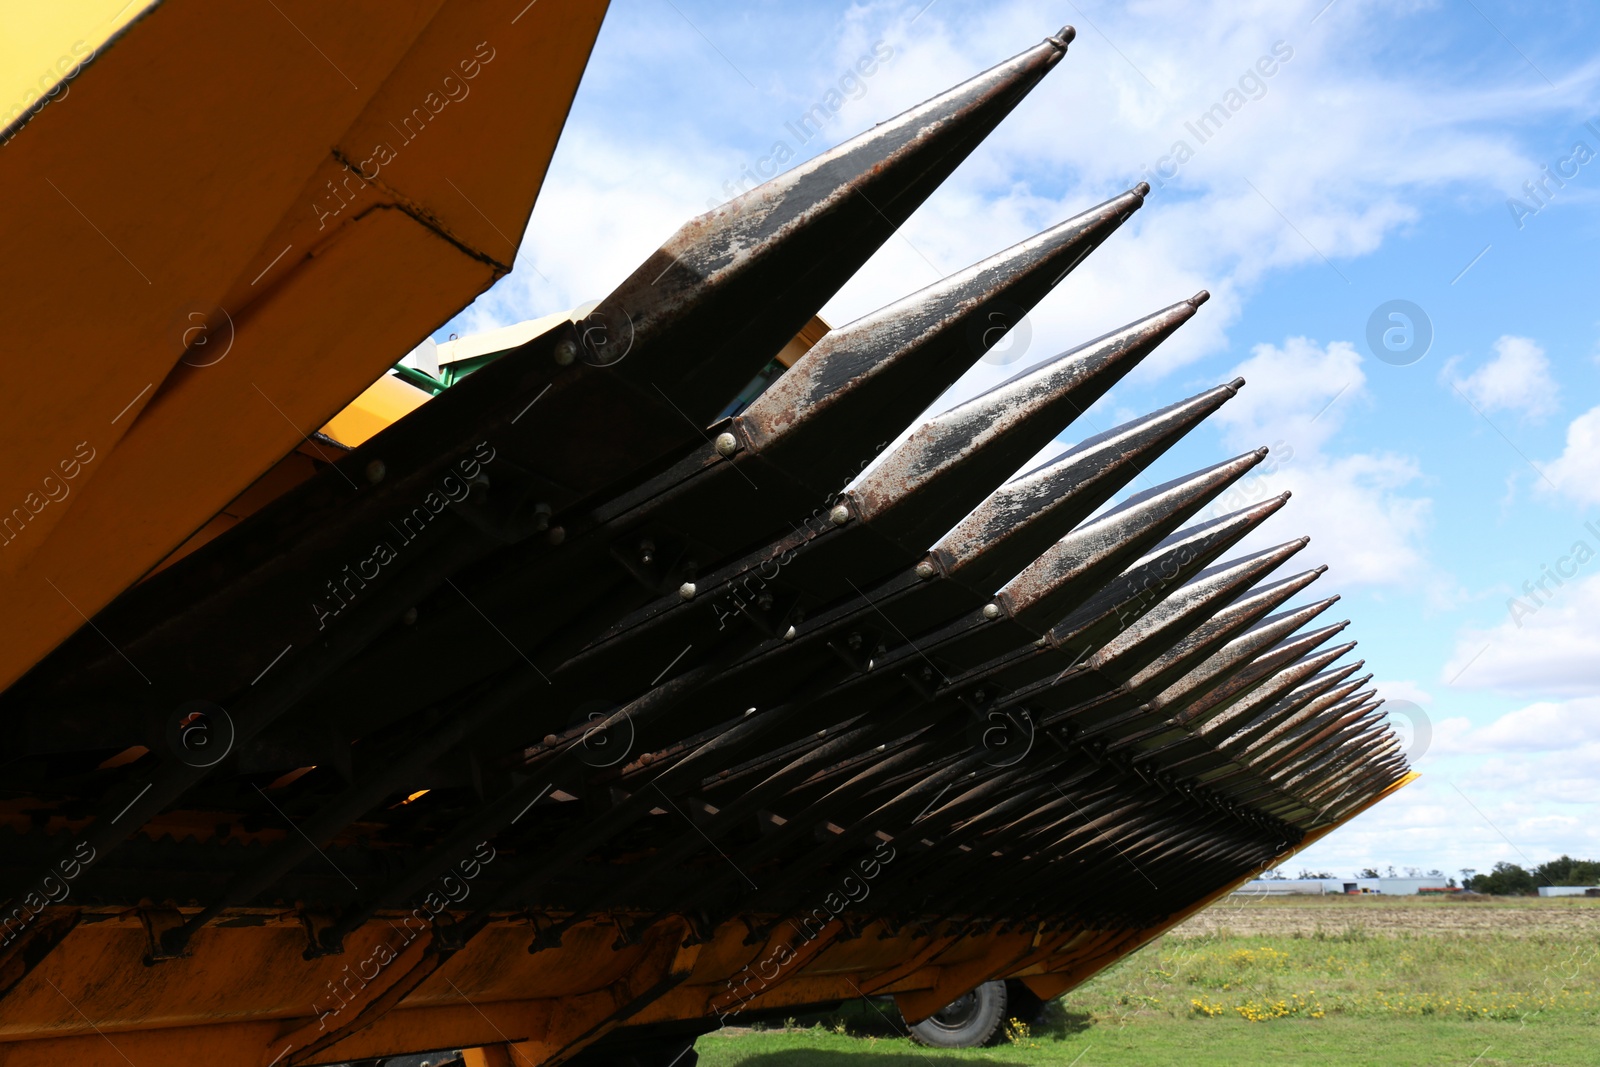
(1314, 874)
(1466, 875)
(1274, 875)
(1567, 871)
(1507, 879)
(1413, 872)
(1436, 873)
(1368, 872)
(1391, 871)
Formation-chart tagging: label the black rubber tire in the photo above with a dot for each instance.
(971, 1021)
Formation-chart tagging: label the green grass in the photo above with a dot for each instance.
(1143, 1042)
(1287, 983)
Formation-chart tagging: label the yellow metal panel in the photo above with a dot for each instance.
(45, 44)
(172, 206)
(381, 404)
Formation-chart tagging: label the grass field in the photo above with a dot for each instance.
(1347, 981)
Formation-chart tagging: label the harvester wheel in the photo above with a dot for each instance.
(975, 1019)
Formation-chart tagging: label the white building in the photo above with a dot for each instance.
(1278, 887)
(1568, 890)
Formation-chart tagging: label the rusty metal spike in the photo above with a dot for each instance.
(953, 461)
(709, 308)
(1236, 670)
(1205, 676)
(1165, 632)
(1302, 744)
(1283, 734)
(828, 413)
(1289, 705)
(1021, 519)
(1168, 566)
(1273, 673)
(1075, 567)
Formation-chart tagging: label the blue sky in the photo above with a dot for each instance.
(1378, 162)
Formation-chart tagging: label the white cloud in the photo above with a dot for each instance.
(1520, 788)
(1429, 822)
(1542, 727)
(1361, 521)
(1576, 472)
(636, 163)
(1297, 394)
(1548, 642)
(1517, 379)
(1404, 689)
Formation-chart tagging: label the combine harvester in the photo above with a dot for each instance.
(550, 712)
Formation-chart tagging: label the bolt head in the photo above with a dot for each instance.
(686, 590)
(727, 444)
(925, 569)
(550, 740)
(556, 535)
(839, 515)
(991, 611)
(375, 471)
(788, 635)
(409, 616)
(566, 352)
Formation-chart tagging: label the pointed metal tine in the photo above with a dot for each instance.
(1280, 736)
(827, 414)
(1308, 740)
(1022, 518)
(1259, 717)
(1235, 653)
(1075, 567)
(1271, 671)
(1169, 565)
(707, 310)
(1167, 633)
(953, 461)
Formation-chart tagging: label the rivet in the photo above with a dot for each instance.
(375, 471)
(839, 515)
(991, 611)
(788, 635)
(925, 569)
(727, 444)
(556, 535)
(566, 351)
(550, 740)
(686, 590)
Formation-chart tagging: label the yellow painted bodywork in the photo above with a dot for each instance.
(239, 217)
(245, 996)
(380, 404)
(45, 44)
